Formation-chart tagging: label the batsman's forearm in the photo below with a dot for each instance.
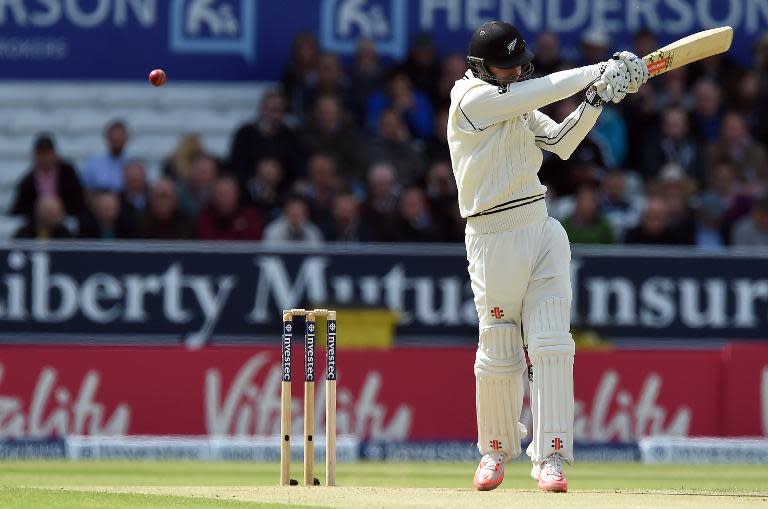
(484, 105)
(563, 138)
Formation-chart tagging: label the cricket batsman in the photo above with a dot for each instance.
(519, 256)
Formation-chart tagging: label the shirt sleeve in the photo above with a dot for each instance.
(563, 138)
(485, 105)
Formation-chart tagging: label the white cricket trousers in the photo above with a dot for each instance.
(521, 284)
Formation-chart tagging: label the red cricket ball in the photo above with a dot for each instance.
(157, 77)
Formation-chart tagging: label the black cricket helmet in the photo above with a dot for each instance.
(498, 44)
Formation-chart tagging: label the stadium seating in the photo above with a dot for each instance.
(76, 113)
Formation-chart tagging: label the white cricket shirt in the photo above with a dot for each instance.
(496, 135)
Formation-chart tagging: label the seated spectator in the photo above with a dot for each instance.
(380, 207)
(721, 204)
(347, 226)
(706, 112)
(48, 221)
(367, 74)
(677, 190)
(293, 225)
(410, 105)
(105, 220)
(331, 81)
(263, 189)
(674, 144)
(674, 91)
(332, 132)
(653, 227)
(267, 136)
(301, 69)
(320, 189)
(49, 176)
(753, 229)
(443, 202)
(162, 218)
(548, 58)
(225, 218)
(393, 145)
(586, 225)
(436, 147)
(737, 146)
(415, 223)
(422, 65)
(594, 46)
(195, 189)
(105, 171)
(177, 166)
(620, 208)
(585, 166)
(135, 189)
(453, 69)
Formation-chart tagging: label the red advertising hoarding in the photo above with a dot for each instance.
(401, 394)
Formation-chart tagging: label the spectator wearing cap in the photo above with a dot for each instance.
(105, 219)
(162, 218)
(331, 131)
(737, 146)
(586, 225)
(411, 106)
(653, 227)
(753, 229)
(49, 176)
(105, 171)
(267, 136)
(673, 144)
(293, 225)
(225, 217)
(48, 221)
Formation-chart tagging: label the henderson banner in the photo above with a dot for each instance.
(251, 39)
(621, 396)
(154, 293)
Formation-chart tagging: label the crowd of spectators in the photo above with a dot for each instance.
(357, 151)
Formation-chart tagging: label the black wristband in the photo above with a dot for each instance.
(593, 99)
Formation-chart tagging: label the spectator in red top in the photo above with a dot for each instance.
(225, 218)
(49, 176)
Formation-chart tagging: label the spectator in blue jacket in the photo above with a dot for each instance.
(105, 171)
(410, 104)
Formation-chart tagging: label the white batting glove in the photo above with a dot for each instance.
(613, 84)
(638, 70)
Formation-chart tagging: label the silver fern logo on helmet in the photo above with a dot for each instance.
(511, 46)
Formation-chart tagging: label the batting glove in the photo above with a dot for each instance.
(613, 84)
(638, 70)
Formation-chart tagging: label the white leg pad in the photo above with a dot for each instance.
(499, 365)
(551, 350)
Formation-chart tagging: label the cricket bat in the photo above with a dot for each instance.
(689, 49)
(684, 51)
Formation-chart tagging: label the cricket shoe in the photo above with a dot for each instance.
(490, 472)
(550, 474)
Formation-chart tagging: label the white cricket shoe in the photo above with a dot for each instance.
(490, 472)
(550, 474)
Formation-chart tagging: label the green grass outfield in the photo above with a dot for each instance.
(162, 485)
